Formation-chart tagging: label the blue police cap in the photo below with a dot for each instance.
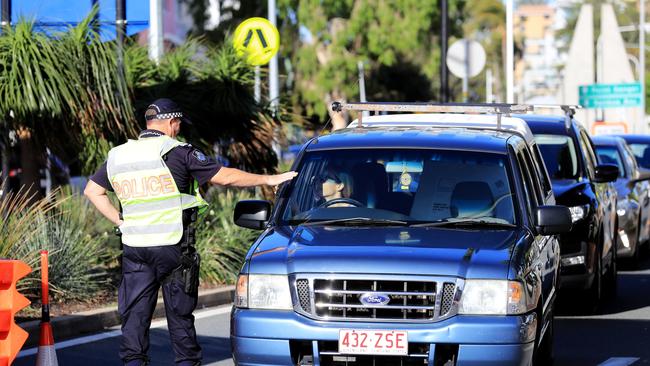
(166, 108)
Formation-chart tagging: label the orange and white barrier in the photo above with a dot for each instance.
(46, 352)
(12, 337)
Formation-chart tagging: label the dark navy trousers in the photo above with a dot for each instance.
(144, 271)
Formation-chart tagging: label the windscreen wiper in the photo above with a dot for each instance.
(478, 222)
(356, 220)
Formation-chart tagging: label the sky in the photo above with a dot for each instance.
(75, 10)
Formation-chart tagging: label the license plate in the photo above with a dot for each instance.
(373, 342)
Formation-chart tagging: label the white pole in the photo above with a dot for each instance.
(362, 86)
(258, 87)
(273, 65)
(643, 126)
(488, 85)
(155, 30)
(466, 75)
(510, 53)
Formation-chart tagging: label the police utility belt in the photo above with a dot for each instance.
(187, 272)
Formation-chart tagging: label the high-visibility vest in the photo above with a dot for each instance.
(152, 205)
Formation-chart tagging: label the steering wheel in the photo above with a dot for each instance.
(348, 201)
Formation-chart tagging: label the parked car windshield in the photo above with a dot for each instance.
(413, 186)
(559, 154)
(642, 154)
(611, 155)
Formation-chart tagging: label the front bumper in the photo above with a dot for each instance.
(263, 337)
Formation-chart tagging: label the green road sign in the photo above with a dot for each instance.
(610, 95)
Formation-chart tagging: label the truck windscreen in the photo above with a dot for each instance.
(410, 185)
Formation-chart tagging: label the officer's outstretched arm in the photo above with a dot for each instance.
(239, 178)
(97, 196)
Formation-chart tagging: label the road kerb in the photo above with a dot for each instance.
(93, 321)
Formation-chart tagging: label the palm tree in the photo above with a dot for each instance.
(59, 91)
(215, 87)
(63, 92)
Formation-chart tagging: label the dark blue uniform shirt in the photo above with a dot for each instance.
(185, 163)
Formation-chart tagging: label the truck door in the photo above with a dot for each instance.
(547, 255)
(606, 195)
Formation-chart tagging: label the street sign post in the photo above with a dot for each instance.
(624, 95)
(258, 40)
(465, 59)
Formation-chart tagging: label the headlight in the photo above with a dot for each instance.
(578, 212)
(492, 297)
(256, 291)
(620, 212)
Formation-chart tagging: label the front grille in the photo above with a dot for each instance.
(448, 292)
(395, 298)
(302, 286)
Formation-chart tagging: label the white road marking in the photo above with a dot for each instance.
(115, 333)
(619, 361)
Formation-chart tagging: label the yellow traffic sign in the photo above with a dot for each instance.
(257, 39)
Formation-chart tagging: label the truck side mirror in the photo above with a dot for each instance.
(252, 214)
(606, 173)
(552, 220)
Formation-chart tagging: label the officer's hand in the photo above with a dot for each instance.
(274, 180)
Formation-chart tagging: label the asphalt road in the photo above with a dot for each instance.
(619, 335)
(212, 326)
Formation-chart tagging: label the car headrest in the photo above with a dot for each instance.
(605, 159)
(370, 183)
(646, 154)
(471, 199)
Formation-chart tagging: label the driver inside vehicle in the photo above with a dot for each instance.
(331, 186)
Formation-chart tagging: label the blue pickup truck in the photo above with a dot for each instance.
(407, 239)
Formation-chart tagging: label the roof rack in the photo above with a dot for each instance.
(496, 108)
(568, 109)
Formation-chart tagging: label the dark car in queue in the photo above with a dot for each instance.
(640, 146)
(584, 185)
(633, 207)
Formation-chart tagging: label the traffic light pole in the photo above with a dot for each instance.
(155, 30)
(274, 90)
(120, 28)
(444, 34)
(644, 126)
(6, 12)
(95, 21)
(4, 136)
(510, 53)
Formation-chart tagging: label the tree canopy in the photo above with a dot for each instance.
(322, 42)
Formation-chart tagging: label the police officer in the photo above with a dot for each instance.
(156, 180)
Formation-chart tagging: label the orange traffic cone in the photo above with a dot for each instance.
(46, 352)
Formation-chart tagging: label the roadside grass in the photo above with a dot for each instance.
(19, 218)
(78, 257)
